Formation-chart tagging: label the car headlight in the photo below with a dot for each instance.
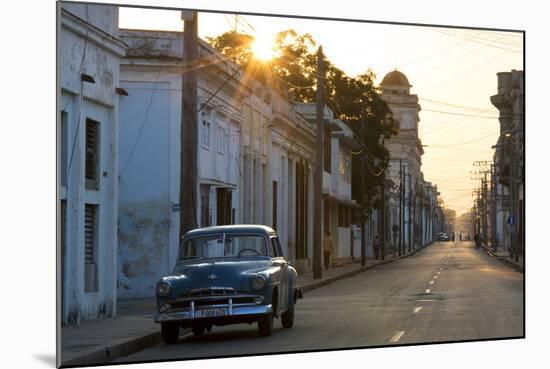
(258, 282)
(164, 289)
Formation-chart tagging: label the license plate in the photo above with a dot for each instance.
(208, 313)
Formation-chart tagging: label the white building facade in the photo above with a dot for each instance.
(338, 206)
(149, 178)
(408, 209)
(89, 57)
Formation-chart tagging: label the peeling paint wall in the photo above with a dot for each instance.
(144, 184)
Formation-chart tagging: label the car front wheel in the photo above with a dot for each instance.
(287, 318)
(170, 332)
(265, 325)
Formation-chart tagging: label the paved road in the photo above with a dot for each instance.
(446, 292)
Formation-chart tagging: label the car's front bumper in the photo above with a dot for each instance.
(232, 313)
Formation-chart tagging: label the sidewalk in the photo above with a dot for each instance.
(504, 256)
(133, 329)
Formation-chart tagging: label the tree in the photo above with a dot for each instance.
(354, 100)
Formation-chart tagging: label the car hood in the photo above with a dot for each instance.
(214, 273)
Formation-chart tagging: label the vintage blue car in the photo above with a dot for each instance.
(227, 275)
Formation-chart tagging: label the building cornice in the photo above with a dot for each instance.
(95, 35)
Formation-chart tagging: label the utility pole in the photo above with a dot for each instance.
(318, 182)
(484, 209)
(400, 205)
(363, 201)
(421, 214)
(383, 217)
(415, 231)
(409, 211)
(494, 241)
(513, 189)
(188, 131)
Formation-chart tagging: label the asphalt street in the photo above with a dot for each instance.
(446, 292)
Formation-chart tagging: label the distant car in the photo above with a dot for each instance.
(227, 275)
(442, 236)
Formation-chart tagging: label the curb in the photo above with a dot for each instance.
(113, 352)
(518, 268)
(108, 354)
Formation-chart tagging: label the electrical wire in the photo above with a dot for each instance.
(140, 129)
(480, 110)
(81, 92)
(461, 114)
(477, 41)
(467, 142)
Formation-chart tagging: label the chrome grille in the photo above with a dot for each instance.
(220, 291)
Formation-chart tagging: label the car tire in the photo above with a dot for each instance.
(170, 333)
(287, 318)
(198, 330)
(265, 325)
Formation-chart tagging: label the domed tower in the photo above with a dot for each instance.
(405, 108)
(396, 82)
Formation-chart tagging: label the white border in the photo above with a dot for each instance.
(27, 147)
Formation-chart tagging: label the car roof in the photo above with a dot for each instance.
(235, 228)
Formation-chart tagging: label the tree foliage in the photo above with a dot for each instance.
(354, 100)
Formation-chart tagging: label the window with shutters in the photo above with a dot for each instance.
(274, 207)
(205, 131)
(90, 247)
(92, 155)
(221, 139)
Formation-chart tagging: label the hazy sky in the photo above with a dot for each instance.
(453, 72)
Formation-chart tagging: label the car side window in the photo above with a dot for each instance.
(276, 247)
(274, 250)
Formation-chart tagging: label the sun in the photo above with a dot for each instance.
(263, 47)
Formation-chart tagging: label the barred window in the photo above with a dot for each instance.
(90, 247)
(92, 155)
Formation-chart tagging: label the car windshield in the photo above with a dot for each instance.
(223, 245)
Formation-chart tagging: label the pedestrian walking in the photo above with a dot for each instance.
(328, 247)
(376, 246)
(453, 237)
(460, 236)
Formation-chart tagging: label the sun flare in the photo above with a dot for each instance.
(263, 48)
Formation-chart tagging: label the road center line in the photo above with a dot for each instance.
(417, 309)
(397, 336)
(428, 290)
(438, 272)
(432, 282)
(435, 277)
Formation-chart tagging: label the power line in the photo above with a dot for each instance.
(140, 128)
(81, 92)
(447, 63)
(499, 40)
(466, 142)
(461, 114)
(431, 55)
(477, 41)
(455, 105)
